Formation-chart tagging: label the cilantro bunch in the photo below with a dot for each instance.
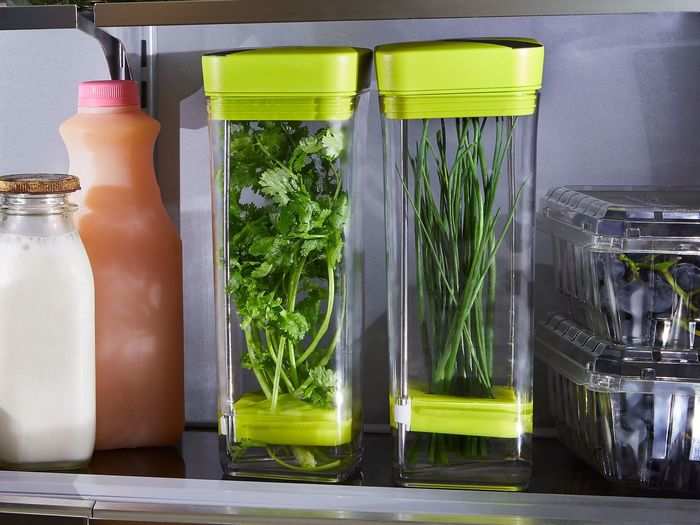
(287, 214)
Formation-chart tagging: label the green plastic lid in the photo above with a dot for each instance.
(285, 83)
(459, 78)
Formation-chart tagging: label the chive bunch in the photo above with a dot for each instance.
(457, 237)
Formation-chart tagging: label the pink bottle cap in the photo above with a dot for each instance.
(108, 93)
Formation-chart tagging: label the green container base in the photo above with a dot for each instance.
(293, 422)
(295, 441)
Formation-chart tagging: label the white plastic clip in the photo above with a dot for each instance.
(402, 413)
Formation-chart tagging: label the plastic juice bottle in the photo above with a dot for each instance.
(135, 254)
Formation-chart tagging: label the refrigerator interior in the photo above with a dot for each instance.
(619, 106)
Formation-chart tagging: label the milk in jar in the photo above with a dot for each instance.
(47, 355)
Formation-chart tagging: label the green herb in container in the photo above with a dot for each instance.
(459, 121)
(287, 259)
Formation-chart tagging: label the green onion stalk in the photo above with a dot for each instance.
(457, 238)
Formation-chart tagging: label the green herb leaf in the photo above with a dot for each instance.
(312, 245)
(332, 141)
(321, 390)
(310, 307)
(287, 216)
(262, 271)
(278, 183)
(304, 457)
(294, 325)
(303, 151)
(262, 247)
(339, 213)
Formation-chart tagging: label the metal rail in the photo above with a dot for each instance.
(254, 11)
(46, 506)
(198, 12)
(39, 17)
(211, 501)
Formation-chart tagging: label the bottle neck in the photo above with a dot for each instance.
(111, 150)
(36, 215)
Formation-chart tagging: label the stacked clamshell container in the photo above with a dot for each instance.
(622, 351)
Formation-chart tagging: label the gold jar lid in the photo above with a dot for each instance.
(39, 183)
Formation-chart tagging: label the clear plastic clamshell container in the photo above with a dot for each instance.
(629, 411)
(626, 261)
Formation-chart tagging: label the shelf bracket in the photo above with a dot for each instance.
(112, 47)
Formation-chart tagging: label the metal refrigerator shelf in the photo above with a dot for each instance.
(39, 17)
(186, 486)
(51, 505)
(198, 12)
(256, 11)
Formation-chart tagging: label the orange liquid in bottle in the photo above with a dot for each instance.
(135, 253)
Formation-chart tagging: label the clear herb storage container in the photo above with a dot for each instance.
(459, 122)
(287, 259)
(626, 261)
(629, 411)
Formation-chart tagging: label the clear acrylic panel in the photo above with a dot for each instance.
(288, 275)
(459, 211)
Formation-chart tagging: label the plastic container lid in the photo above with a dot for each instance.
(108, 93)
(459, 78)
(285, 83)
(637, 211)
(608, 367)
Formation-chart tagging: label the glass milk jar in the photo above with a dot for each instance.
(459, 122)
(47, 355)
(287, 259)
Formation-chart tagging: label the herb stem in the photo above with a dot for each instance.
(252, 350)
(291, 305)
(271, 344)
(457, 237)
(278, 371)
(318, 468)
(326, 320)
(331, 347)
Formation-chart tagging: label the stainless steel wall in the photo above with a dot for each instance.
(620, 105)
